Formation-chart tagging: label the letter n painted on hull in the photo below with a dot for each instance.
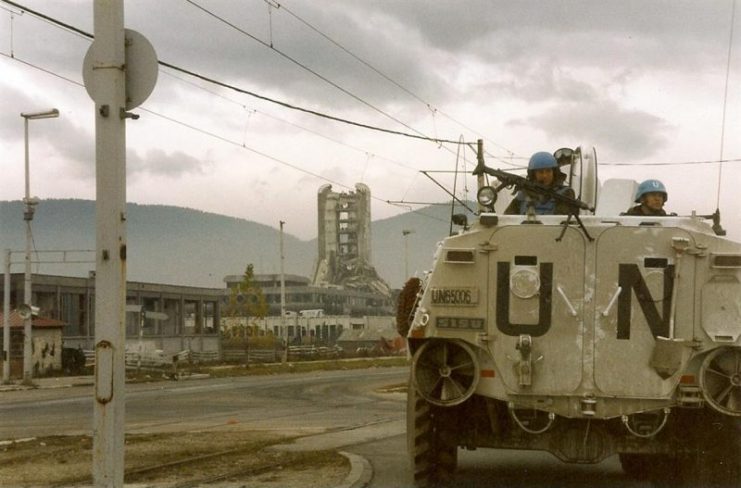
(631, 280)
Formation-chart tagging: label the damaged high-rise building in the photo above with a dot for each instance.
(344, 255)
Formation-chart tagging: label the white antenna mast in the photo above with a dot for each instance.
(725, 102)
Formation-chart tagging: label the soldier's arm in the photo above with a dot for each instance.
(561, 207)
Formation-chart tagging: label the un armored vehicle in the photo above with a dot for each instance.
(584, 335)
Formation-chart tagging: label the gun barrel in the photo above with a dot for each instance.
(521, 183)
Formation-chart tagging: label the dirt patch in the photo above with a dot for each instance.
(174, 460)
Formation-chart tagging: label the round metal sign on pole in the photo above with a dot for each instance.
(140, 67)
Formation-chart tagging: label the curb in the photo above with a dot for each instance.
(361, 472)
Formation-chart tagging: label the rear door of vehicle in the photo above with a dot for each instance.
(633, 294)
(536, 292)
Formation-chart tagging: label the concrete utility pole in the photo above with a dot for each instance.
(28, 211)
(282, 285)
(110, 214)
(6, 319)
(120, 72)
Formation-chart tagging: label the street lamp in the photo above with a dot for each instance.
(405, 233)
(28, 211)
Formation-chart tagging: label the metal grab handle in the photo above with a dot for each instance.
(572, 310)
(606, 311)
(551, 418)
(626, 422)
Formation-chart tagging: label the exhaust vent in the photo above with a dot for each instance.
(445, 373)
(726, 260)
(459, 256)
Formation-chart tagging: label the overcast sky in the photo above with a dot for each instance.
(642, 81)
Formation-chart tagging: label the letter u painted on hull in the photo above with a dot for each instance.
(545, 303)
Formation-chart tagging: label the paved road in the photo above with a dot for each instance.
(342, 404)
(494, 469)
(302, 403)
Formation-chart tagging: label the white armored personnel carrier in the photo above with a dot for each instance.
(586, 335)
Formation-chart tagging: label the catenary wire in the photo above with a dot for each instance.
(241, 90)
(221, 138)
(313, 72)
(383, 75)
(725, 103)
(603, 163)
(90, 36)
(284, 121)
(23, 9)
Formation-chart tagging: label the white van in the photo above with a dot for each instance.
(318, 312)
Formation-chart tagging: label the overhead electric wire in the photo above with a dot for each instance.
(75, 30)
(315, 73)
(51, 20)
(292, 124)
(219, 137)
(678, 163)
(301, 109)
(725, 103)
(383, 75)
(87, 35)
(241, 90)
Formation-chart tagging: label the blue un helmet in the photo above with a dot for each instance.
(651, 186)
(542, 160)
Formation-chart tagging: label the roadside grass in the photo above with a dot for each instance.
(257, 369)
(302, 366)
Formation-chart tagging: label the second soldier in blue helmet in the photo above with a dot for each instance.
(542, 169)
(650, 196)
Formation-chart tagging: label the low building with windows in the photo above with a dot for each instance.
(333, 300)
(193, 313)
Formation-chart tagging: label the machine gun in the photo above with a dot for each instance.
(507, 180)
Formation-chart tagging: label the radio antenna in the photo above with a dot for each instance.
(455, 181)
(725, 103)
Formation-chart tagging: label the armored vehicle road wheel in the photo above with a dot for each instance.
(431, 441)
(720, 380)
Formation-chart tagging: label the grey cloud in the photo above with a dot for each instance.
(579, 113)
(414, 42)
(417, 43)
(76, 145)
(16, 101)
(160, 163)
(72, 142)
(456, 26)
(213, 48)
(617, 131)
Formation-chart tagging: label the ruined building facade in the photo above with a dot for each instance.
(344, 254)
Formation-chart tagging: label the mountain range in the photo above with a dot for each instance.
(188, 247)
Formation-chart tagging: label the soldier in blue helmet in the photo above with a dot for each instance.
(542, 169)
(650, 197)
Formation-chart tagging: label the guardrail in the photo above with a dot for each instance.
(156, 359)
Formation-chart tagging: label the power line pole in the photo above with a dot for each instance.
(282, 288)
(120, 72)
(6, 319)
(28, 211)
(109, 87)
